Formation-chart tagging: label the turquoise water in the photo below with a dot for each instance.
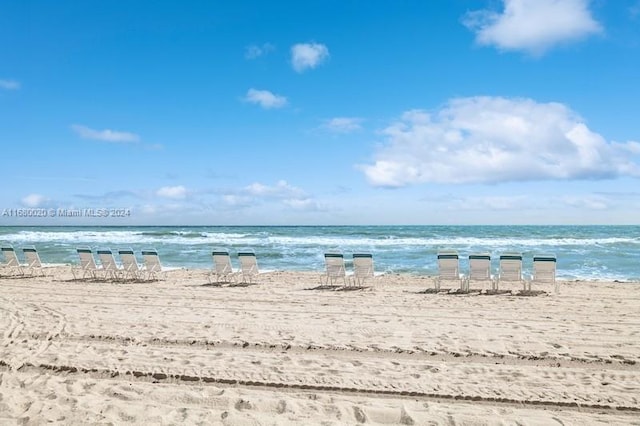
(584, 252)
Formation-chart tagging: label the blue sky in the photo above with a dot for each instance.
(321, 112)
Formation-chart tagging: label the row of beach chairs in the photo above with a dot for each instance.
(223, 270)
(336, 270)
(509, 270)
(129, 269)
(510, 267)
(152, 269)
(12, 265)
(106, 266)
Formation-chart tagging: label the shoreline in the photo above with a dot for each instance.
(66, 267)
(290, 351)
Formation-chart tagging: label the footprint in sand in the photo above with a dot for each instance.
(359, 415)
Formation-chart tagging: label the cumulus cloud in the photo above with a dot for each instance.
(234, 200)
(254, 51)
(178, 192)
(592, 202)
(109, 197)
(303, 204)
(343, 124)
(9, 84)
(105, 135)
(282, 192)
(533, 25)
(265, 99)
(34, 200)
(493, 139)
(495, 202)
(308, 55)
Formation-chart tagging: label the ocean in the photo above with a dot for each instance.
(583, 252)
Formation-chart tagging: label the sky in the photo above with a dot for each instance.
(320, 112)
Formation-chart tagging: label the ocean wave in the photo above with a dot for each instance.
(583, 252)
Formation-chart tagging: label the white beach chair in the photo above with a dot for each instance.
(88, 266)
(130, 267)
(544, 270)
(222, 269)
(11, 264)
(34, 266)
(449, 269)
(110, 268)
(362, 268)
(248, 266)
(480, 269)
(335, 270)
(152, 265)
(510, 269)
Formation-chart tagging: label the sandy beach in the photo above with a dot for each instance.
(288, 351)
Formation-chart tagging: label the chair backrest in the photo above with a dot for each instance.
(544, 268)
(107, 260)
(87, 261)
(480, 266)
(11, 259)
(32, 257)
(511, 266)
(151, 260)
(222, 262)
(248, 262)
(363, 265)
(334, 263)
(448, 264)
(129, 261)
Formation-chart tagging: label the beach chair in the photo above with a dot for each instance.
(152, 266)
(222, 269)
(449, 269)
(109, 266)
(130, 267)
(335, 270)
(510, 269)
(544, 270)
(362, 268)
(248, 266)
(11, 265)
(88, 266)
(34, 266)
(480, 269)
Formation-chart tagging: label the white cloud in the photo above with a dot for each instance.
(254, 51)
(104, 135)
(237, 200)
(34, 200)
(178, 192)
(492, 139)
(491, 203)
(280, 190)
(303, 204)
(533, 25)
(592, 202)
(308, 55)
(280, 193)
(265, 99)
(9, 84)
(343, 124)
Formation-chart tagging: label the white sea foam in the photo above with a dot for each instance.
(222, 239)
